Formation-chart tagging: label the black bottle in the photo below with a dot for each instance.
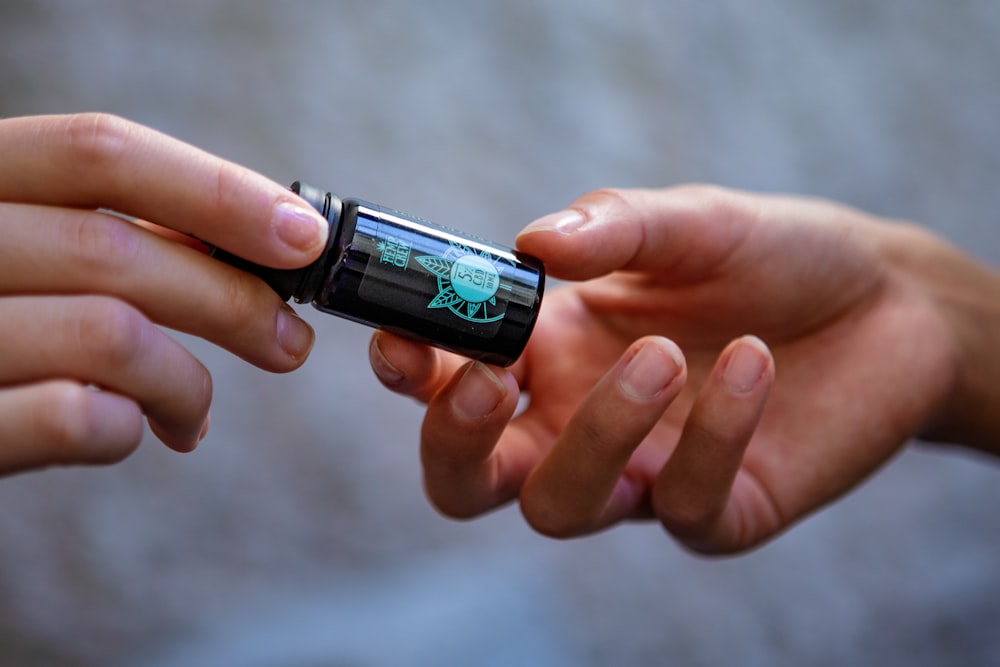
(395, 272)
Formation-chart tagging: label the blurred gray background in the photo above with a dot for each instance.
(297, 535)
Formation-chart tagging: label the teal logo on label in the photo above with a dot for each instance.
(468, 282)
(394, 251)
(474, 279)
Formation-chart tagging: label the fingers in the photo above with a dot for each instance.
(101, 161)
(569, 480)
(49, 250)
(408, 368)
(106, 343)
(701, 495)
(579, 488)
(680, 232)
(469, 408)
(465, 474)
(581, 473)
(63, 422)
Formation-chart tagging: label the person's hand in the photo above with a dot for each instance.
(82, 290)
(619, 424)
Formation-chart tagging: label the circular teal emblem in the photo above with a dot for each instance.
(474, 279)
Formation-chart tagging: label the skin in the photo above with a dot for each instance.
(84, 293)
(645, 396)
(651, 393)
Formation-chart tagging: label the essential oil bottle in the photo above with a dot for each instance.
(399, 273)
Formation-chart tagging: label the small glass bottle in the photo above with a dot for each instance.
(399, 273)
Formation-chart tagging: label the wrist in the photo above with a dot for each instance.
(964, 296)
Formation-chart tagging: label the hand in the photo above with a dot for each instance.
(81, 290)
(620, 424)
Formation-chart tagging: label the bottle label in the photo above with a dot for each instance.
(468, 283)
(432, 273)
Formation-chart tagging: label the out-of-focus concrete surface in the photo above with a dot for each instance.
(297, 535)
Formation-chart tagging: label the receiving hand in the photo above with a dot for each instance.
(649, 390)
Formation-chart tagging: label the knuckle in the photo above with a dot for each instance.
(68, 423)
(450, 452)
(711, 202)
(624, 212)
(244, 305)
(110, 331)
(598, 440)
(103, 244)
(229, 187)
(98, 139)
(704, 428)
(616, 200)
(65, 421)
(699, 190)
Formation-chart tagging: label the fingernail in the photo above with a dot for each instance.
(746, 365)
(294, 336)
(561, 222)
(299, 227)
(385, 371)
(650, 371)
(477, 394)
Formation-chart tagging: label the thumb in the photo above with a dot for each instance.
(680, 233)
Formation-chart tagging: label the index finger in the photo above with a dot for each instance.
(96, 160)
